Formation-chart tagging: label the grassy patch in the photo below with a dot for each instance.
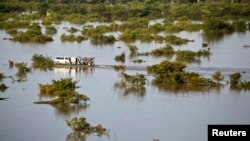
(72, 38)
(33, 34)
(63, 90)
(79, 124)
(237, 83)
(42, 62)
(120, 58)
(3, 87)
(50, 30)
(171, 76)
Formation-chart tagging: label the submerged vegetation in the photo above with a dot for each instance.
(1, 76)
(50, 30)
(121, 57)
(22, 71)
(80, 125)
(102, 39)
(217, 76)
(63, 92)
(42, 62)
(33, 34)
(181, 56)
(135, 16)
(172, 39)
(132, 84)
(3, 87)
(72, 38)
(237, 83)
(171, 76)
(163, 51)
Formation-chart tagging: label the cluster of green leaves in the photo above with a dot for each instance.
(171, 75)
(63, 90)
(132, 84)
(163, 51)
(50, 30)
(121, 57)
(79, 124)
(13, 24)
(72, 38)
(1, 76)
(172, 39)
(42, 62)
(137, 80)
(33, 34)
(181, 56)
(237, 83)
(72, 30)
(119, 67)
(138, 61)
(3, 87)
(217, 76)
(102, 39)
(133, 50)
(22, 71)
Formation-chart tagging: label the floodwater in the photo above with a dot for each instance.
(155, 114)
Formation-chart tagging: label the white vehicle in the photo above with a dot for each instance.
(62, 60)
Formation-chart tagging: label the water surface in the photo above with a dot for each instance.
(167, 115)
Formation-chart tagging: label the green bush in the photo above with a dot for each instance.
(14, 24)
(234, 79)
(237, 83)
(137, 80)
(50, 30)
(240, 26)
(138, 61)
(172, 39)
(40, 61)
(166, 67)
(79, 124)
(186, 56)
(64, 92)
(217, 25)
(128, 36)
(102, 39)
(217, 76)
(1, 76)
(120, 58)
(72, 30)
(22, 71)
(72, 38)
(133, 50)
(33, 34)
(3, 87)
(163, 51)
(171, 75)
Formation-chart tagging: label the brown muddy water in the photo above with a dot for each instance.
(167, 115)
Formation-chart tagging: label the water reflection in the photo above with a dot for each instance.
(22, 71)
(73, 71)
(212, 36)
(125, 90)
(76, 136)
(185, 89)
(68, 109)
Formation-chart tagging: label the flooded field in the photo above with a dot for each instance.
(166, 115)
